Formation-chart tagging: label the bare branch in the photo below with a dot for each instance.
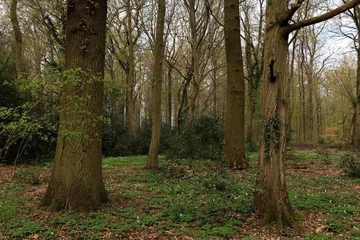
(323, 17)
(290, 13)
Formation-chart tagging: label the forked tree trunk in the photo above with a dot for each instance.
(76, 182)
(156, 88)
(235, 96)
(271, 201)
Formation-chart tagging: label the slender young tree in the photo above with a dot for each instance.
(19, 59)
(156, 88)
(235, 97)
(271, 201)
(76, 182)
(355, 128)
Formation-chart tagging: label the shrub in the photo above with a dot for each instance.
(117, 141)
(24, 133)
(202, 139)
(351, 165)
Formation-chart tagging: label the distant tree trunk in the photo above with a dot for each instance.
(169, 97)
(156, 88)
(235, 99)
(19, 59)
(214, 79)
(290, 90)
(356, 131)
(253, 64)
(76, 182)
(130, 78)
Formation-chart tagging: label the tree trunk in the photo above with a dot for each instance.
(19, 59)
(356, 133)
(271, 201)
(253, 65)
(235, 99)
(169, 97)
(156, 88)
(77, 183)
(130, 79)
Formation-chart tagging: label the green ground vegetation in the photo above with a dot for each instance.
(199, 199)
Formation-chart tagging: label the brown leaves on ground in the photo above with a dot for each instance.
(312, 222)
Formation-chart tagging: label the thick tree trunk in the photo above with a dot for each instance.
(271, 201)
(156, 88)
(235, 99)
(77, 183)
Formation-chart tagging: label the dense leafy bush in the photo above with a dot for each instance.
(29, 112)
(26, 136)
(202, 139)
(252, 147)
(351, 165)
(117, 141)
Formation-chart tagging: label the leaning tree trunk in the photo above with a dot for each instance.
(77, 183)
(235, 97)
(271, 201)
(156, 88)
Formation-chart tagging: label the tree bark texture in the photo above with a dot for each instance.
(271, 201)
(156, 88)
(77, 182)
(356, 133)
(235, 96)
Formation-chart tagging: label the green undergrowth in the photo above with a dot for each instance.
(199, 199)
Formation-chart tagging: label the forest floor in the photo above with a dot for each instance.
(187, 200)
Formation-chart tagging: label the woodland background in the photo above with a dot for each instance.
(181, 72)
(321, 86)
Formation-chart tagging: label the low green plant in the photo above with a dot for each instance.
(250, 238)
(319, 236)
(29, 175)
(25, 228)
(322, 201)
(334, 224)
(51, 233)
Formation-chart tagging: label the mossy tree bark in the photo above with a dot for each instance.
(235, 96)
(271, 201)
(76, 182)
(152, 162)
